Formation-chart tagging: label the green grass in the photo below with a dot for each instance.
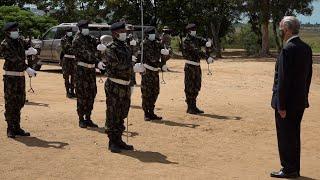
(311, 38)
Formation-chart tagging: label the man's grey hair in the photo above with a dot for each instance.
(292, 23)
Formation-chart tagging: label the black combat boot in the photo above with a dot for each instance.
(19, 131)
(82, 122)
(89, 122)
(10, 131)
(124, 145)
(191, 108)
(153, 116)
(147, 116)
(199, 111)
(113, 145)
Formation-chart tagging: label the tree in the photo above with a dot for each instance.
(217, 17)
(263, 11)
(279, 9)
(130, 10)
(26, 20)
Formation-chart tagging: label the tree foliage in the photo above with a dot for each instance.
(27, 21)
(261, 12)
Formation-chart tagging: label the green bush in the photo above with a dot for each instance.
(244, 38)
(248, 40)
(27, 21)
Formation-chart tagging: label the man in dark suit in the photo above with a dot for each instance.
(292, 80)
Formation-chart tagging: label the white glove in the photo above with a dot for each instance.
(101, 66)
(133, 42)
(134, 59)
(31, 72)
(139, 68)
(165, 68)
(210, 60)
(101, 47)
(31, 51)
(208, 44)
(165, 52)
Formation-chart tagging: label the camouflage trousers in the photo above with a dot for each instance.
(86, 88)
(15, 97)
(192, 82)
(69, 73)
(150, 89)
(133, 77)
(118, 99)
(133, 80)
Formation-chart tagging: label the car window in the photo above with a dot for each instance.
(60, 33)
(50, 34)
(97, 32)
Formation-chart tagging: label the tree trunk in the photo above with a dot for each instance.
(265, 39)
(274, 27)
(265, 9)
(180, 44)
(216, 40)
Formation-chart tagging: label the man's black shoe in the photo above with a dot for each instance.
(281, 174)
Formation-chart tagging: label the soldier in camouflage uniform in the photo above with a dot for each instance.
(192, 52)
(135, 50)
(166, 41)
(117, 87)
(84, 46)
(150, 87)
(68, 64)
(13, 50)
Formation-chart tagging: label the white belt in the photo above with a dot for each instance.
(91, 66)
(193, 63)
(69, 56)
(14, 73)
(150, 67)
(119, 81)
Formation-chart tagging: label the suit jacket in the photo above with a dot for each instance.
(293, 74)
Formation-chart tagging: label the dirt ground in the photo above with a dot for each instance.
(235, 139)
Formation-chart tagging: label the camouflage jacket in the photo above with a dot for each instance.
(152, 53)
(66, 45)
(85, 48)
(118, 64)
(166, 40)
(192, 48)
(135, 50)
(13, 52)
